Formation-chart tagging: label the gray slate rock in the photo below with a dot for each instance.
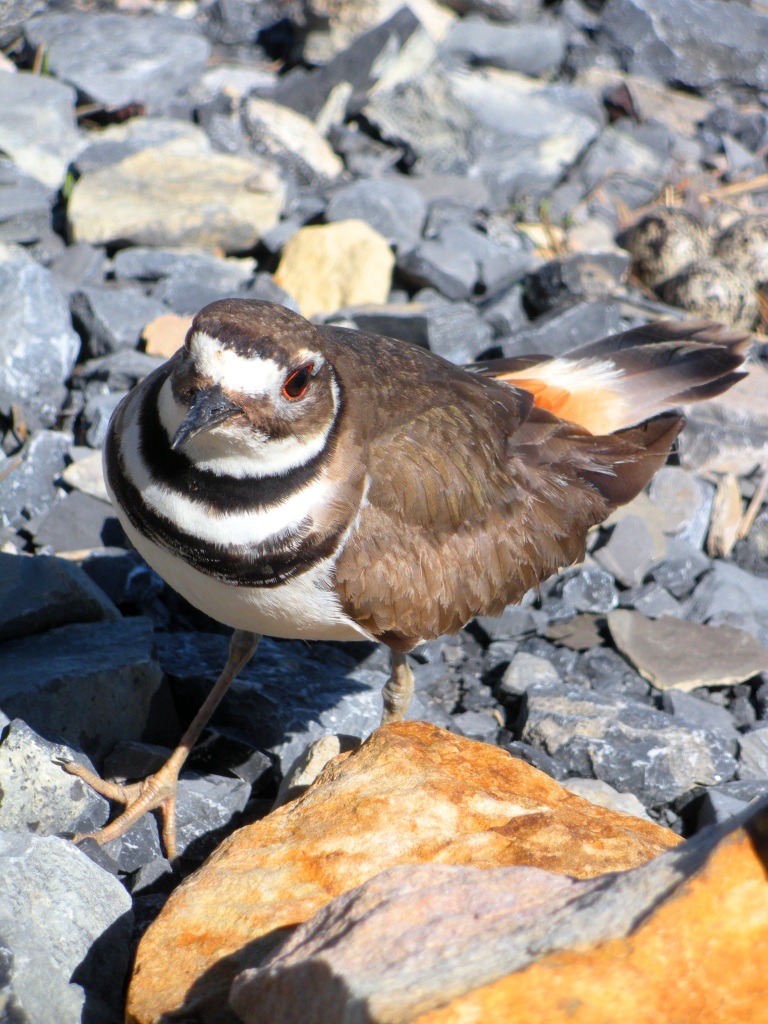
(77, 522)
(38, 129)
(78, 265)
(609, 673)
(359, 64)
(117, 59)
(694, 42)
(457, 123)
(526, 670)
(88, 684)
(196, 266)
(686, 502)
(652, 601)
(702, 714)
(37, 594)
(560, 330)
(631, 746)
(531, 49)
(456, 331)
(680, 568)
(515, 621)
(25, 205)
(436, 264)
(590, 589)
(727, 595)
(112, 318)
(66, 925)
(630, 551)
(119, 371)
(27, 488)
(504, 311)
(123, 576)
(390, 205)
(36, 794)
(97, 413)
(753, 759)
(38, 346)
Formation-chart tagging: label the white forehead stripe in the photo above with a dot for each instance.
(251, 375)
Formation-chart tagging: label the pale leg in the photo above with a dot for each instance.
(398, 690)
(158, 791)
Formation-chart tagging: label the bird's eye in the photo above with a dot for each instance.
(296, 383)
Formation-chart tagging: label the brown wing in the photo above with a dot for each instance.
(473, 501)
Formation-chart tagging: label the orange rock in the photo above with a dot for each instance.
(165, 334)
(412, 794)
(696, 958)
(670, 942)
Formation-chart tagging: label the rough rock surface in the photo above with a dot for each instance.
(411, 794)
(556, 949)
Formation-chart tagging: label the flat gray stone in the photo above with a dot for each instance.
(702, 714)
(693, 42)
(531, 49)
(753, 758)
(523, 671)
(38, 129)
(38, 346)
(38, 594)
(391, 206)
(76, 523)
(676, 654)
(630, 552)
(25, 205)
(139, 263)
(112, 317)
(629, 745)
(600, 793)
(519, 141)
(61, 918)
(28, 486)
(727, 595)
(685, 501)
(36, 795)
(86, 684)
(118, 59)
(560, 330)
(456, 331)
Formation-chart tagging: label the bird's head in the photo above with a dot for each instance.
(250, 392)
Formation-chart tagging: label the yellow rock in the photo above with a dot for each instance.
(328, 266)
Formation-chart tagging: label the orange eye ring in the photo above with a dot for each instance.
(296, 383)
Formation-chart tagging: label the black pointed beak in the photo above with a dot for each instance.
(210, 407)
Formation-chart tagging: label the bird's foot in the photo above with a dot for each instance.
(157, 792)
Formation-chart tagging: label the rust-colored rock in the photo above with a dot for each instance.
(670, 942)
(412, 794)
(694, 959)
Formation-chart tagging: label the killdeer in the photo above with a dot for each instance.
(316, 482)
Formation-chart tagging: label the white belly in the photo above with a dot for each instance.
(302, 608)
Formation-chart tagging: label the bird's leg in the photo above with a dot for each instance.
(158, 791)
(398, 690)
